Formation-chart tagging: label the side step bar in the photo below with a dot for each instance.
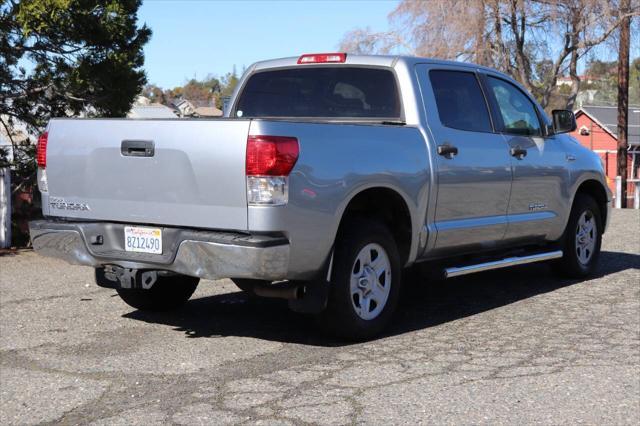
(502, 263)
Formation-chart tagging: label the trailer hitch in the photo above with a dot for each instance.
(113, 276)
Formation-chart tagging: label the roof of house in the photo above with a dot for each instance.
(208, 112)
(581, 77)
(607, 118)
(151, 111)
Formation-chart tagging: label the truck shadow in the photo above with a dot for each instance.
(423, 305)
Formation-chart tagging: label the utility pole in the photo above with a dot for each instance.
(623, 99)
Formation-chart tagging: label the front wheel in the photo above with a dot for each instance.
(365, 282)
(167, 293)
(582, 239)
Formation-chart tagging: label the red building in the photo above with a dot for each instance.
(598, 131)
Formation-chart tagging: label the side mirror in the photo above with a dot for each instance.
(564, 121)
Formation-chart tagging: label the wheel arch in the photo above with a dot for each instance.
(595, 189)
(389, 205)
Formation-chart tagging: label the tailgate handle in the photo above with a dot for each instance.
(131, 148)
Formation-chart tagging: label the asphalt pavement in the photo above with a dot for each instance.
(512, 346)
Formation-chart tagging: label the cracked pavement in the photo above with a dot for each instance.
(510, 346)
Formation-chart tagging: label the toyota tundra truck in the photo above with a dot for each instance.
(329, 175)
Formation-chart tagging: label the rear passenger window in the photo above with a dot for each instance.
(461, 104)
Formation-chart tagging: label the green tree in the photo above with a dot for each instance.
(154, 93)
(201, 91)
(228, 84)
(605, 74)
(634, 82)
(63, 57)
(211, 89)
(602, 69)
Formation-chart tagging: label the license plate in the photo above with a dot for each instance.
(143, 240)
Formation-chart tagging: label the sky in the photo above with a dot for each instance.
(194, 38)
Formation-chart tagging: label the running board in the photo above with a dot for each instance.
(503, 263)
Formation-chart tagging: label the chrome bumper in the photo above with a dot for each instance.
(211, 255)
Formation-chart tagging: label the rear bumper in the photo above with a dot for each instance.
(204, 254)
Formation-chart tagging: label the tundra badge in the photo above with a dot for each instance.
(61, 204)
(537, 206)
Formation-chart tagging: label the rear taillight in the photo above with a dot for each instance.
(41, 161)
(270, 159)
(41, 150)
(322, 58)
(271, 155)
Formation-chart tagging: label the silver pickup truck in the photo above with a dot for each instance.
(329, 175)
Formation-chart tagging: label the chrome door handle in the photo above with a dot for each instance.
(518, 152)
(447, 151)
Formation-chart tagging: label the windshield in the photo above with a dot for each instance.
(321, 92)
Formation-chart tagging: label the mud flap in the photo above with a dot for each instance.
(313, 300)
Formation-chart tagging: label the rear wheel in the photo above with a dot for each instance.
(167, 293)
(582, 239)
(365, 282)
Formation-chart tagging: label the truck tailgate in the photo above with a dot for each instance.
(195, 176)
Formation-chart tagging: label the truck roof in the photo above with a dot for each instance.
(371, 60)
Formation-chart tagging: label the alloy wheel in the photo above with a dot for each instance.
(585, 237)
(370, 281)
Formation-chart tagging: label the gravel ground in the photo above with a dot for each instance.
(514, 346)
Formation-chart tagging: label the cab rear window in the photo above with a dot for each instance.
(321, 92)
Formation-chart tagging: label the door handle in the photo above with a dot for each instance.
(518, 152)
(131, 148)
(447, 151)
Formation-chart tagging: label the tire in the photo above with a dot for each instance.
(247, 285)
(581, 240)
(360, 306)
(166, 294)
